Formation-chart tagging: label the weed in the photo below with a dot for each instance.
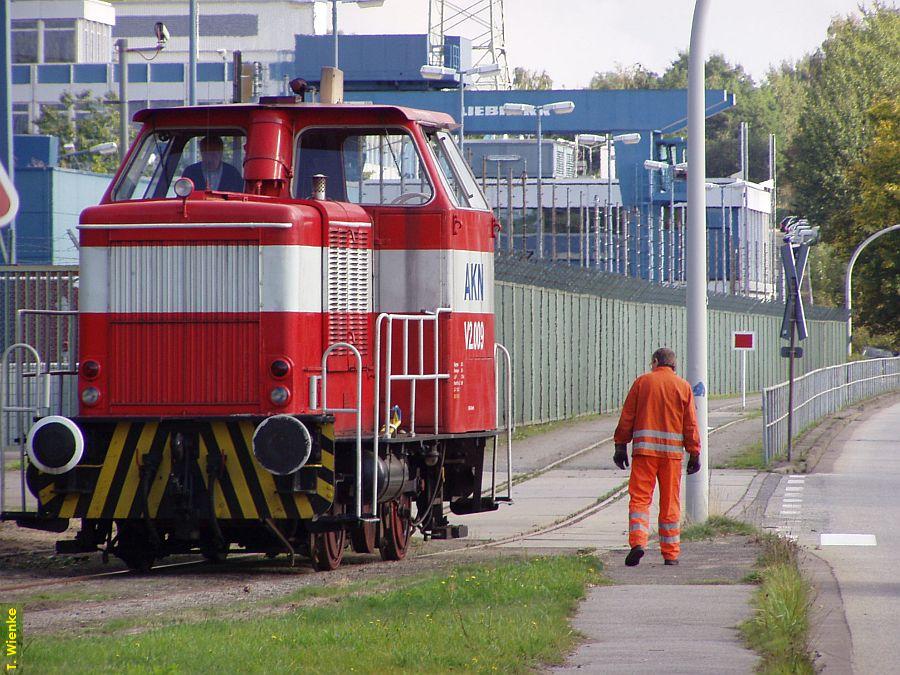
(716, 526)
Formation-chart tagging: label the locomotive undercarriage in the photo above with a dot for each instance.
(149, 489)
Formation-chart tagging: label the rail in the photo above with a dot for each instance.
(508, 422)
(357, 411)
(386, 321)
(822, 392)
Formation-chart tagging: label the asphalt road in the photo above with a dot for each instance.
(850, 515)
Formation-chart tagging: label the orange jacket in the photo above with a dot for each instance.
(659, 416)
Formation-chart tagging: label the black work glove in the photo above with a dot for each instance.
(693, 464)
(621, 455)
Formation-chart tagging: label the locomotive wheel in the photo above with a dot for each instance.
(328, 549)
(396, 528)
(363, 537)
(133, 547)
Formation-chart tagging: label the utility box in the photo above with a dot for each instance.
(331, 89)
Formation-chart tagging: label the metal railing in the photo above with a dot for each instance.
(820, 393)
(507, 422)
(17, 412)
(357, 412)
(387, 321)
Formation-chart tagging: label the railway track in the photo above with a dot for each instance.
(569, 520)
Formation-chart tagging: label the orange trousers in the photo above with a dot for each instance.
(645, 472)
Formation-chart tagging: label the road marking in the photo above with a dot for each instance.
(791, 501)
(795, 480)
(847, 540)
(796, 475)
(790, 513)
(793, 488)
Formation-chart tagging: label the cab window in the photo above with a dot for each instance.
(456, 173)
(362, 166)
(213, 160)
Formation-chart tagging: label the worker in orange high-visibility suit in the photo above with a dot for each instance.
(658, 418)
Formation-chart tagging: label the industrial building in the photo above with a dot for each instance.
(606, 204)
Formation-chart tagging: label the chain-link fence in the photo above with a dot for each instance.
(821, 393)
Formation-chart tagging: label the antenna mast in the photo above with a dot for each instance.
(482, 22)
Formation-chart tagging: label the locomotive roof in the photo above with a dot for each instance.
(340, 111)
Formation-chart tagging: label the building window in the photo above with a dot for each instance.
(24, 41)
(21, 119)
(59, 41)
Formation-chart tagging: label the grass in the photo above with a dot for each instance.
(779, 629)
(508, 616)
(716, 526)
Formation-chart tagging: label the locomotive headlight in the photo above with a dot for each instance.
(54, 444)
(90, 396)
(90, 369)
(280, 395)
(279, 368)
(183, 187)
(282, 444)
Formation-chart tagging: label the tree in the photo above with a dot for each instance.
(531, 79)
(837, 161)
(857, 64)
(634, 76)
(877, 176)
(83, 120)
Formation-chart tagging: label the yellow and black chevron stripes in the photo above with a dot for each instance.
(242, 488)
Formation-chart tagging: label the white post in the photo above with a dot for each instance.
(697, 485)
(743, 379)
(540, 186)
(194, 49)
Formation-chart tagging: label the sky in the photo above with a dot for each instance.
(573, 39)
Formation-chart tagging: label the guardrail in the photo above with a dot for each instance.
(820, 393)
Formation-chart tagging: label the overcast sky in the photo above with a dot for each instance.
(572, 39)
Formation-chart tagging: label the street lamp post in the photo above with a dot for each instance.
(849, 276)
(441, 72)
(556, 108)
(162, 38)
(697, 485)
(509, 219)
(334, 19)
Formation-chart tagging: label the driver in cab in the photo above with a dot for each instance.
(211, 173)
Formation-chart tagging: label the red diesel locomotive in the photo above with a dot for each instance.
(286, 318)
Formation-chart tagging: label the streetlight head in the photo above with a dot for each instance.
(518, 109)
(105, 148)
(651, 164)
(503, 158)
(559, 107)
(161, 32)
(435, 72)
(484, 69)
(627, 139)
(590, 139)
(369, 3)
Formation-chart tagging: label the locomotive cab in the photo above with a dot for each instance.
(286, 339)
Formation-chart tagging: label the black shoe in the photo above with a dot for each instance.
(673, 561)
(634, 556)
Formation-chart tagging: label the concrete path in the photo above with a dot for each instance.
(662, 629)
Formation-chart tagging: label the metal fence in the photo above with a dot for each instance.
(578, 338)
(821, 393)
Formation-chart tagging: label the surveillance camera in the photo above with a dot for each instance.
(161, 32)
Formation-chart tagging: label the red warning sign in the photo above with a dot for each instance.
(743, 341)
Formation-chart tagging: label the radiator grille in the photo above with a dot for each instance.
(349, 286)
(195, 277)
(185, 324)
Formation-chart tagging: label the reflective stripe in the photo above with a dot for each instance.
(638, 526)
(670, 540)
(644, 445)
(639, 514)
(668, 526)
(659, 434)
